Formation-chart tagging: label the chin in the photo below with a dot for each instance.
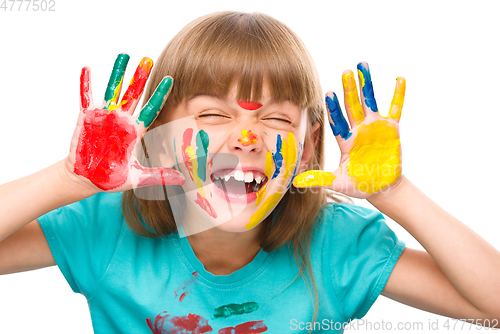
(235, 225)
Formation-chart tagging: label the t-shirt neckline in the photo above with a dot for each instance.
(248, 272)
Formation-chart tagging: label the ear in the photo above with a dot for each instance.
(310, 143)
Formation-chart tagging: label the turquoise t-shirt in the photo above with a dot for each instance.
(135, 284)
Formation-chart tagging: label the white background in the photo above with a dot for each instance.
(447, 51)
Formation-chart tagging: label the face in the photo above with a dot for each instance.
(238, 157)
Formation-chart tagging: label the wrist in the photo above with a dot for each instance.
(76, 186)
(389, 193)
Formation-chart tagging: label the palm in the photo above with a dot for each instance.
(104, 141)
(370, 159)
(102, 152)
(370, 148)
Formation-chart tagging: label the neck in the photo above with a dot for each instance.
(223, 252)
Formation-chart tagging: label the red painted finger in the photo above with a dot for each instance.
(136, 86)
(85, 89)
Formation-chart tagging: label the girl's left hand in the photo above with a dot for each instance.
(370, 159)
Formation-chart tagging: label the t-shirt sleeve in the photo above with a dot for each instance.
(364, 251)
(82, 237)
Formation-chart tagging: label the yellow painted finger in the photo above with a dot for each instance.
(352, 97)
(313, 178)
(398, 99)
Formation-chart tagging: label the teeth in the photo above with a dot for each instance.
(249, 177)
(239, 175)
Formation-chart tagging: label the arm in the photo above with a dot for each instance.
(45, 190)
(459, 277)
(101, 158)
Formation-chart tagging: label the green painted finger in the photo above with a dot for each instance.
(156, 102)
(115, 80)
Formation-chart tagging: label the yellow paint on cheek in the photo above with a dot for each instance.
(269, 167)
(375, 158)
(289, 155)
(313, 178)
(268, 204)
(268, 170)
(193, 169)
(352, 97)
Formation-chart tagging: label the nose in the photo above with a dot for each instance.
(246, 141)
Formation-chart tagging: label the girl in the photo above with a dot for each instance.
(230, 245)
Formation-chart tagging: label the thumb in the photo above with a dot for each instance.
(314, 178)
(155, 176)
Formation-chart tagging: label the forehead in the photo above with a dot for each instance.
(266, 99)
(266, 102)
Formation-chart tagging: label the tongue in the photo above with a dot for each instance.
(235, 187)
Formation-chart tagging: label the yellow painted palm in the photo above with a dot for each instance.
(370, 147)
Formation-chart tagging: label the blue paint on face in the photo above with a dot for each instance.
(339, 126)
(278, 158)
(368, 88)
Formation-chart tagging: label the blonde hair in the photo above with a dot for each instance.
(209, 56)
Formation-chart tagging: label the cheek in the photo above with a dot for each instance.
(216, 139)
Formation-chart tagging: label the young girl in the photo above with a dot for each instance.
(220, 221)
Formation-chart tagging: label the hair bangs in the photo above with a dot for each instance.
(250, 51)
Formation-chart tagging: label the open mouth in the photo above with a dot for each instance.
(239, 182)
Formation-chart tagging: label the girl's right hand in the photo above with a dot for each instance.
(102, 153)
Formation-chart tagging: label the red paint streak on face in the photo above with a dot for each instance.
(137, 84)
(186, 142)
(104, 147)
(251, 327)
(164, 323)
(184, 285)
(156, 176)
(205, 205)
(250, 105)
(85, 87)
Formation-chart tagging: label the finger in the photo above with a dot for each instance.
(157, 176)
(366, 87)
(85, 89)
(314, 178)
(115, 80)
(151, 110)
(353, 107)
(398, 99)
(337, 121)
(136, 87)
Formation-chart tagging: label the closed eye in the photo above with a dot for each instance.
(212, 115)
(278, 119)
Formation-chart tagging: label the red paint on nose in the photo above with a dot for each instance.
(250, 105)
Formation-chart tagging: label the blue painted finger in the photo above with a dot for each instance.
(365, 81)
(339, 125)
